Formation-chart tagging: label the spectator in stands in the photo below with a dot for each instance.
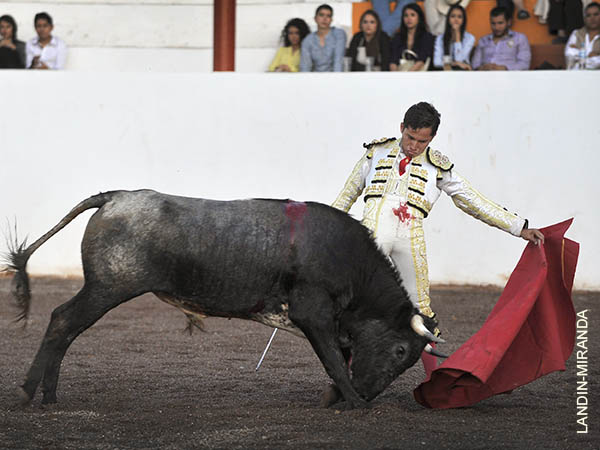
(510, 8)
(504, 49)
(564, 17)
(370, 42)
(390, 20)
(287, 58)
(412, 41)
(323, 50)
(436, 13)
(587, 39)
(45, 51)
(453, 48)
(12, 51)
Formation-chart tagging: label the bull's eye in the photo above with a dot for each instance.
(400, 351)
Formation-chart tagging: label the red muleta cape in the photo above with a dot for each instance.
(529, 333)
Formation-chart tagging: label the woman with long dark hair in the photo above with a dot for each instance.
(287, 58)
(370, 42)
(412, 40)
(453, 48)
(12, 51)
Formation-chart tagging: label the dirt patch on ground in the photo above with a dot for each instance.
(134, 380)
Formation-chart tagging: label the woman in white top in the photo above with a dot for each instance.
(452, 50)
(45, 51)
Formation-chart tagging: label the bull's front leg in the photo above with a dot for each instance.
(311, 309)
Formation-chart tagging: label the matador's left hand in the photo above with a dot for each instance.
(532, 235)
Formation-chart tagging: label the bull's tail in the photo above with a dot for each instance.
(19, 253)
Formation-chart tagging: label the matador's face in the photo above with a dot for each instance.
(414, 142)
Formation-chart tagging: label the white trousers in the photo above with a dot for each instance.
(400, 236)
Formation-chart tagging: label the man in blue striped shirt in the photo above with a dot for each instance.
(323, 50)
(503, 49)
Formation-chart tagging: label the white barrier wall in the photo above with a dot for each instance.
(520, 138)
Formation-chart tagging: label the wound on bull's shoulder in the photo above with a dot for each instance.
(295, 212)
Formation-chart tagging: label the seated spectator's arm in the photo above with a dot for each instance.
(22, 54)
(477, 57)
(464, 48)
(396, 52)
(417, 66)
(353, 47)
(571, 50)
(425, 49)
(339, 51)
(305, 57)
(29, 55)
(61, 57)
(438, 51)
(276, 61)
(386, 52)
(523, 56)
(592, 62)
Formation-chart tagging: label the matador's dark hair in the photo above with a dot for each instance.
(422, 115)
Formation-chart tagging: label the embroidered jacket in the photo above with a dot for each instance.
(426, 176)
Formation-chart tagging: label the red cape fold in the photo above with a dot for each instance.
(529, 333)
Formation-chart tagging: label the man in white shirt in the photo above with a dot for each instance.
(45, 52)
(586, 39)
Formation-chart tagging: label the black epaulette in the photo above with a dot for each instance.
(378, 141)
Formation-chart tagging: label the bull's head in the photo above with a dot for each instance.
(383, 349)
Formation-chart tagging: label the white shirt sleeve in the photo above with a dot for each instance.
(463, 49)
(592, 62)
(438, 51)
(570, 52)
(30, 52)
(61, 55)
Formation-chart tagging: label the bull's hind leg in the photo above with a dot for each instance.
(67, 322)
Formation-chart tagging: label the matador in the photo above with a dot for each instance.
(402, 179)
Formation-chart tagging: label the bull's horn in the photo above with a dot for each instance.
(419, 327)
(432, 351)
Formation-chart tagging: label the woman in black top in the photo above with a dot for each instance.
(413, 35)
(12, 51)
(370, 41)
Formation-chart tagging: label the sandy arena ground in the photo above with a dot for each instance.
(135, 381)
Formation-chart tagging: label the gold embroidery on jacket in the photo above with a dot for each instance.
(439, 160)
(475, 204)
(419, 255)
(417, 184)
(352, 188)
(420, 202)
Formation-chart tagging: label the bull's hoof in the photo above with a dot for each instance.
(23, 398)
(49, 398)
(357, 403)
(330, 396)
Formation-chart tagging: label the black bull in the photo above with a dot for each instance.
(304, 267)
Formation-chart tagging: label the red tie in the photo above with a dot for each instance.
(403, 165)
